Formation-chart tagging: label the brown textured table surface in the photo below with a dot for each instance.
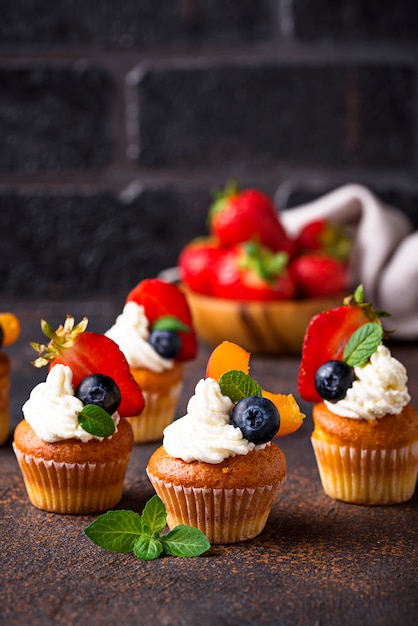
(317, 563)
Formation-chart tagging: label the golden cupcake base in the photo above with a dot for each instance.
(371, 477)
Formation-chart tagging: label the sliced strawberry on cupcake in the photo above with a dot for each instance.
(166, 305)
(239, 215)
(87, 353)
(327, 336)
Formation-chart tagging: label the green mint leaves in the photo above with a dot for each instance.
(362, 343)
(238, 385)
(96, 421)
(170, 322)
(127, 531)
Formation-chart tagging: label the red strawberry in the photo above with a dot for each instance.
(249, 271)
(196, 263)
(88, 353)
(326, 337)
(238, 216)
(160, 298)
(325, 236)
(319, 275)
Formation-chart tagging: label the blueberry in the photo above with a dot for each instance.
(101, 390)
(257, 417)
(166, 343)
(332, 379)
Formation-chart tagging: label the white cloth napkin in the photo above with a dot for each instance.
(385, 253)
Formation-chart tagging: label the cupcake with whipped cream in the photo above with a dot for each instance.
(155, 332)
(66, 469)
(74, 443)
(365, 436)
(218, 468)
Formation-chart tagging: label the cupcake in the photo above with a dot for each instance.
(9, 333)
(156, 335)
(74, 443)
(218, 468)
(365, 436)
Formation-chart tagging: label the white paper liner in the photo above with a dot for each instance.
(367, 476)
(72, 487)
(224, 515)
(158, 413)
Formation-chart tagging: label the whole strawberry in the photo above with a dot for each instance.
(87, 353)
(196, 264)
(238, 216)
(318, 275)
(249, 271)
(325, 236)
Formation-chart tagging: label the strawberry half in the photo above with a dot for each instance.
(160, 298)
(326, 337)
(88, 353)
(238, 216)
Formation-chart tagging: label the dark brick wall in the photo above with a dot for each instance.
(117, 120)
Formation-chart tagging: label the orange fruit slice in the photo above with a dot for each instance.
(9, 328)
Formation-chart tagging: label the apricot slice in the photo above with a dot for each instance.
(9, 328)
(225, 357)
(291, 417)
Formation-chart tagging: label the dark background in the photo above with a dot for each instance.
(118, 118)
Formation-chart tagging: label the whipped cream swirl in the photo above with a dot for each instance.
(52, 408)
(205, 432)
(131, 331)
(380, 389)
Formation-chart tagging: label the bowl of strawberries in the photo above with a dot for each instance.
(248, 281)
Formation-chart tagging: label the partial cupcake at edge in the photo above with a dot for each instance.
(218, 468)
(156, 334)
(74, 443)
(365, 436)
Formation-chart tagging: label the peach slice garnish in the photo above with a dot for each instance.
(225, 357)
(230, 356)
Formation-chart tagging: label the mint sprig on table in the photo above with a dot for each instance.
(127, 531)
(238, 385)
(363, 343)
(96, 421)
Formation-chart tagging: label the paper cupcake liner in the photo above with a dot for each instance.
(158, 413)
(224, 515)
(72, 487)
(367, 476)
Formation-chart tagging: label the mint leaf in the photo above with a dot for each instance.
(96, 421)
(362, 343)
(154, 515)
(185, 541)
(116, 531)
(238, 385)
(170, 322)
(126, 531)
(147, 548)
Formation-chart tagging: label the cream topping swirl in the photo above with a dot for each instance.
(131, 331)
(380, 389)
(52, 408)
(205, 432)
